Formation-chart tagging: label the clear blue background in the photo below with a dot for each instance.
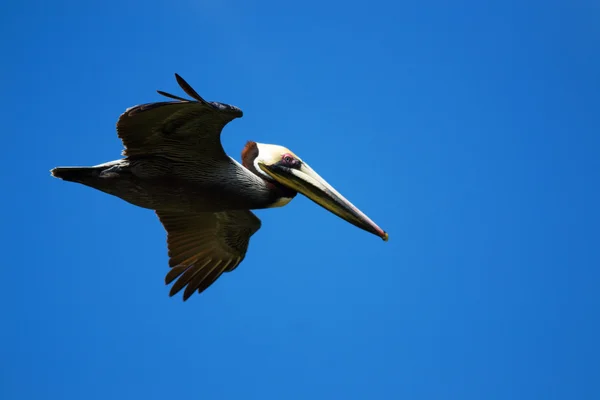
(468, 130)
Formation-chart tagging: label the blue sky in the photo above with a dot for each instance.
(468, 130)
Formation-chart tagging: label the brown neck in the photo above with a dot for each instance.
(249, 154)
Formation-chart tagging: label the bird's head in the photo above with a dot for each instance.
(279, 165)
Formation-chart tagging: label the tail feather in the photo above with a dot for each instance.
(83, 174)
(113, 177)
(74, 174)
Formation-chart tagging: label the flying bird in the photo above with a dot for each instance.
(174, 163)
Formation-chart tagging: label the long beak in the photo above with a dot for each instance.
(306, 181)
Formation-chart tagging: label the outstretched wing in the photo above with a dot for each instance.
(203, 246)
(182, 130)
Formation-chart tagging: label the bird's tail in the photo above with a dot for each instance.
(76, 174)
(86, 175)
(114, 178)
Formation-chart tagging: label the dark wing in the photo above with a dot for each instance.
(182, 129)
(203, 246)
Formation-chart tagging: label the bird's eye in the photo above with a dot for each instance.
(288, 159)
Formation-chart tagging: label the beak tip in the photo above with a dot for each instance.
(385, 237)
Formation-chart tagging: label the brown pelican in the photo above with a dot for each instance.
(174, 163)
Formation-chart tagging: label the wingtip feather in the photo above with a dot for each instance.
(172, 96)
(187, 88)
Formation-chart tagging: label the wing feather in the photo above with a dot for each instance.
(187, 130)
(202, 246)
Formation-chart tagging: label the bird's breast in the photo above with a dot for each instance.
(280, 202)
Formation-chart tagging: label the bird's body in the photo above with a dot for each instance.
(158, 183)
(174, 163)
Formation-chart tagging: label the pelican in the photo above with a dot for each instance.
(174, 163)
